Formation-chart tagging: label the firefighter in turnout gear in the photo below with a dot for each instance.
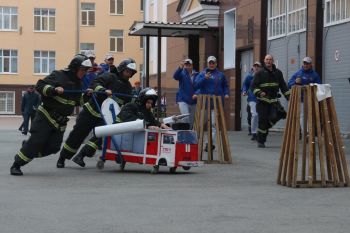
(51, 119)
(116, 81)
(266, 85)
(142, 109)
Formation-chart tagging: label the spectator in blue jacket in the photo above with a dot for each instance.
(92, 72)
(185, 97)
(109, 63)
(212, 82)
(246, 91)
(304, 76)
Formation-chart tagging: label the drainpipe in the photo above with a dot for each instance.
(77, 44)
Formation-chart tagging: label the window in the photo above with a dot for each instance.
(286, 17)
(88, 14)
(7, 102)
(230, 39)
(44, 62)
(337, 11)
(116, 7)
(8, 18)
(44, 20)
(277, 18)
(168, 139)
(87, 47)
(142, 5)
(296, 15)
(8, 61)
(116, 41)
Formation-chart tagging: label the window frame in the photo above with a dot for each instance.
(335, 21)
(116, 7)
(10, 15)
(116, 41)
(230, 39)
(84, 51)
(87, 14)
(6, 101)
(49, 20)
(10, 58)
(41, 59)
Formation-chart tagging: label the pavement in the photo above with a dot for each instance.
(240, 198)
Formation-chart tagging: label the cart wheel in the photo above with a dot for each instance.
(122, 166)
(100, 164)
(155, 169)
(186, 168)
(172, 170)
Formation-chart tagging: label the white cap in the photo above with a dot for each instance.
(211, 58)
(188, 61)
(307, 60)
(109, 56)
(257, 64)
(90, 54)
(86, 64)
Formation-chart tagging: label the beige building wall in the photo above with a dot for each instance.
(66, 38)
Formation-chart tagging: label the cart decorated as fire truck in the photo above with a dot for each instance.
(129, 142)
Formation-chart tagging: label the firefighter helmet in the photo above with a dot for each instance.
(79, 61)
(129, 64)
(147, 93)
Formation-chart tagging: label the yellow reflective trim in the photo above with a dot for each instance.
(46, 87)
(93, 145)
(23, 157)
(81, 101)
(70, 149)
(50, 119)
(267, 100)
(64, 101)
(262, 131)
(256, 90)
(269, 85)
(99, 87)
(286, 93)
(92, 111)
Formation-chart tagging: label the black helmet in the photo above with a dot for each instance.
(127, 64)
(79, 61)
(147, 93)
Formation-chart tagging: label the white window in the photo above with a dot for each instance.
(8, 18)
(230, 39)
(44, 20)
(116, 7)
(116, 41)
(296, 15)
(8, 61)
(44, 62)
(87, 47)
(286, 17)
(7, 102)
(88, 14)
(337, 11)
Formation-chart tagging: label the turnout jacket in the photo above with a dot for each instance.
(109, 81)
(133, 111)
(270, 82)
(56, 107)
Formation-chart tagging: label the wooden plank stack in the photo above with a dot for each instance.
(322, 162)
(202, 119)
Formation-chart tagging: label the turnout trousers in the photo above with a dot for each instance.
(267, 117)
(84, 124)
(45, 139)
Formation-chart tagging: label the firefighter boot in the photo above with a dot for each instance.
(79, 159)
(15, 170)
(60, 162)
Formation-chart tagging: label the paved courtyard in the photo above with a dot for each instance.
(240, 198)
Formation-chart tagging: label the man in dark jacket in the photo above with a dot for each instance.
(116, 81)
(51, 118)
(266, 85)
(30, 103)
(142, 109)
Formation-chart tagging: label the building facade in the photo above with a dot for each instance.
(38, 36)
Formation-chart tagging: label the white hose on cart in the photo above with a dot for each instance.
(120, 128)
